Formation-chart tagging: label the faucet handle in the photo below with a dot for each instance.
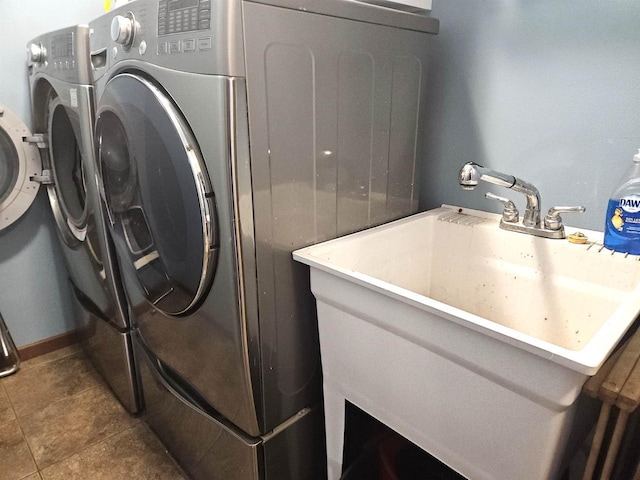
(553, 220)
(510, 213)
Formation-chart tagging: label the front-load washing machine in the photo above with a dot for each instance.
(229, 133)
(62, 123)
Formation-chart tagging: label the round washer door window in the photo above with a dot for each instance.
(19, 161)
(158, 195)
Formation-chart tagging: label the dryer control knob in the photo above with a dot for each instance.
(36, 53)
(122, 30)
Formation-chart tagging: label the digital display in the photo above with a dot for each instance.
(179, 4)
(179, 16)
(62, 45)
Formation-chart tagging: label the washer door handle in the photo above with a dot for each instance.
(45, 178)
(39, 139)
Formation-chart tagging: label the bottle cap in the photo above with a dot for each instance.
(636, 157)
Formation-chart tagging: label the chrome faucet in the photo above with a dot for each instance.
(552, 227)
(471, 173)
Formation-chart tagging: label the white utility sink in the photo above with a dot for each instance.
(471, 341)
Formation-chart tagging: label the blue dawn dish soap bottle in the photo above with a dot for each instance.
(622, 224)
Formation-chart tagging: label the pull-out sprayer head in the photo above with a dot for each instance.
(469, 176)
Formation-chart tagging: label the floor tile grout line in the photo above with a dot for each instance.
(6, 394)
(86, 447)
(27, 366)
(166, 450)
(24, 437)
(139, 424)
(29, 475)
(58, 401)
(20, 418)
(80, 392)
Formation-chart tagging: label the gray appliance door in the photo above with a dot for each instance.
(18, 161)
(67, 193)
(168, 238)
(63, 116)
(158, 195)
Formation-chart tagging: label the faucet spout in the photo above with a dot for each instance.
(471, 173)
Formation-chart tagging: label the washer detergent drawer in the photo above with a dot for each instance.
(203, 446)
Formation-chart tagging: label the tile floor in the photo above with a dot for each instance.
(58, 420)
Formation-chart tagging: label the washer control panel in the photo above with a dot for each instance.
(62, 51)
(179, 16)
(196, 36)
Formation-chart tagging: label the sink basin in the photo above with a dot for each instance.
(565, 301)
(491, 327)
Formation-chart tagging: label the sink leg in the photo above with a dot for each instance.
(334, 412)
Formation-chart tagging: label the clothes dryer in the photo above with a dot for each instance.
(63, 115)
(229, 133)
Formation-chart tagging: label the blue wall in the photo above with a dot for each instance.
(546, 90)
(34, 299)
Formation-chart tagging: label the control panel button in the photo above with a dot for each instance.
(204, 43)
(189, 45)
(174, 47)
(163, 48)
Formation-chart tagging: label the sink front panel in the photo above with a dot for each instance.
(486, 409)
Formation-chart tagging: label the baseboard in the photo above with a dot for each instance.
(48, 345)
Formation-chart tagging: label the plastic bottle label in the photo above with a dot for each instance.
(622, 225)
